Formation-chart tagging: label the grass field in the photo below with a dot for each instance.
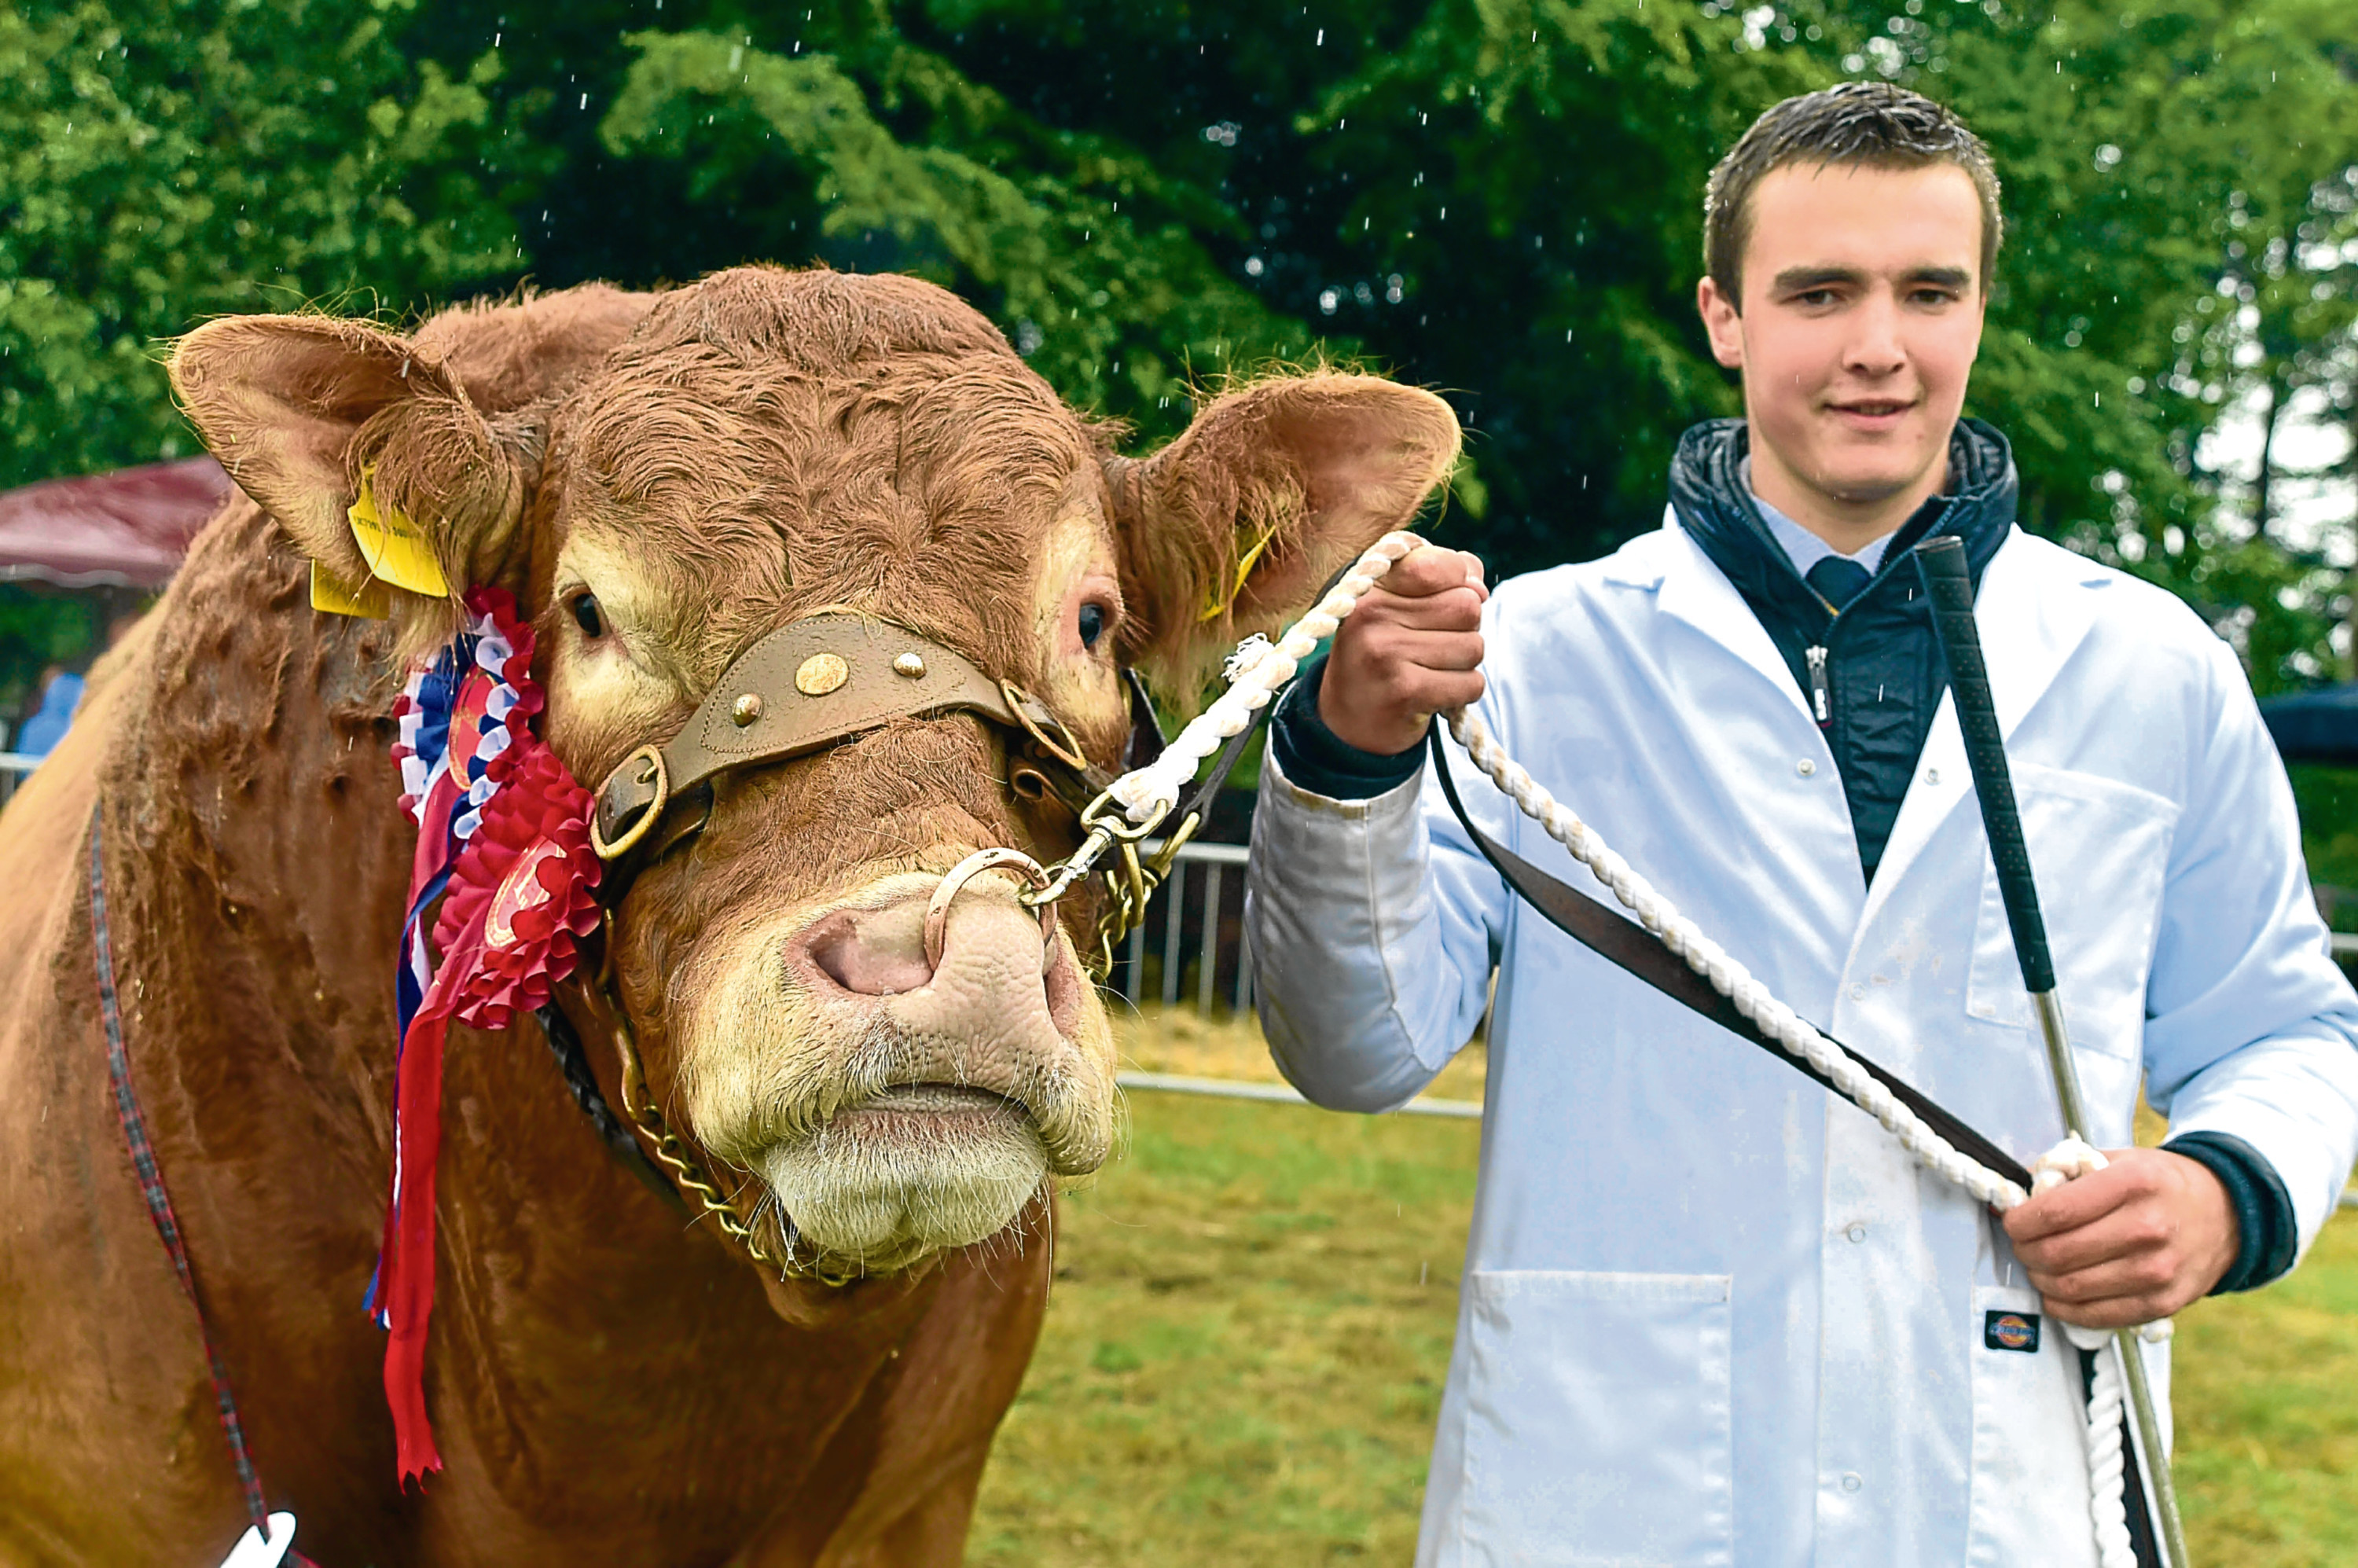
(1251, 1321)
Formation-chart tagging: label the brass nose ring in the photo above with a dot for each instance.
(1029, 872)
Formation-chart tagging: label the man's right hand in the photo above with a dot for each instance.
(1412, 647)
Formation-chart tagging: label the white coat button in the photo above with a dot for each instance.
(1856, 1233)
(1931, 775)
(1853, 1481)
(1805, 767)
(1858, 993)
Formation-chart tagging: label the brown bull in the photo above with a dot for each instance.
(661, 480)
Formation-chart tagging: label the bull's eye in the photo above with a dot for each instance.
(1092, 624)
(585, 614)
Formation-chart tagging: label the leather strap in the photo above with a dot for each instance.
(808, 685)
(1636, 949)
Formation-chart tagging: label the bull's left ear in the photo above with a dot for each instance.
(1232, 527)
(368, 452)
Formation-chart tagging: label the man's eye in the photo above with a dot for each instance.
(585, 615)
(1092, 624)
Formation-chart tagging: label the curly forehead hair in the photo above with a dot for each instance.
(1873, 124)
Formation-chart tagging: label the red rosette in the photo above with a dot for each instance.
(523, 893)
(500, 605)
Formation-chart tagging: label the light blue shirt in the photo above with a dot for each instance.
(1806, 549)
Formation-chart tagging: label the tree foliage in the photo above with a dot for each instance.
(1499, 199)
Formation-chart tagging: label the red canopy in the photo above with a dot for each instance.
(124, 529)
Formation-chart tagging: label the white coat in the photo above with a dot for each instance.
(1712, 1314)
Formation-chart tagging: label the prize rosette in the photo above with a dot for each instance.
(503, 843)
(523, 893)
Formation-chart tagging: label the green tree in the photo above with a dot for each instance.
(1496, 198)
(165, 161)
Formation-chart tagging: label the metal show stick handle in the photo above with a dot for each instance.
(1942, 564)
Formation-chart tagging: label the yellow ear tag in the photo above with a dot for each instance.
(1212, 611)
(371, 600)
(394, 545)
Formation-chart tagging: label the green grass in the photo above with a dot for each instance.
(2266, 1396)
(1251, 1319)
(1245, 1346)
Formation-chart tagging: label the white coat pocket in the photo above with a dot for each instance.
(2100, 849)
(1596, 1420)
(2030, 1460)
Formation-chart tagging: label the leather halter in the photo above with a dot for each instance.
(814, 683)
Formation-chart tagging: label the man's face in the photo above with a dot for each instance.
(1862, 312)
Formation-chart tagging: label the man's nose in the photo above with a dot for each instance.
(1875, 346)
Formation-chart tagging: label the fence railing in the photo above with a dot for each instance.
(14, 766)
(1192, 944)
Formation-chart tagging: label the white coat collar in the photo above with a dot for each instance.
(1690, 589)
(2038, 598)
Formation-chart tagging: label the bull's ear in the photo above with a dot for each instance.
(299, 408)
(1232, 527)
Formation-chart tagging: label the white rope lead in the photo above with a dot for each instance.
(1260, 670)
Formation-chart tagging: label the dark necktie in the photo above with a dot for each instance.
(1838, 580)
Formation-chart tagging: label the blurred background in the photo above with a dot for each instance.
(1496, 198)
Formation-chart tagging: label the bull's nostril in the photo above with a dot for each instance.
(866, 960)
(827, 951)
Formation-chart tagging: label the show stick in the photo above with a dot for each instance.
(1942, 564)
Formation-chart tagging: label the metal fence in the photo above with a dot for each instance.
(1192, 944)
(14, 766)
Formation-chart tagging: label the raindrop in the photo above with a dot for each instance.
(1394, 290)
(1328, 299)
(1322, 39)
(1253, 267)
(2107, 157)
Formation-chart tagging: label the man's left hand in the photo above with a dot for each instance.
(2135, 1241)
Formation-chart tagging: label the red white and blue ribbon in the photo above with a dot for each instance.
(503, 844)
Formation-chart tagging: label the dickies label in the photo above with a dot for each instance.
(2011, 1331)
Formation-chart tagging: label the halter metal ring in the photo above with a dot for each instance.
(1061, 745)
(938, 913)
(646, 819)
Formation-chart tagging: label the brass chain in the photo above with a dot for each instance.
(690, 1172)
(1129, 884)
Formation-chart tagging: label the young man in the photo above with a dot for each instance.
(1713, 1314)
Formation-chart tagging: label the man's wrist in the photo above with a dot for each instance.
(1316, 759)
(2267, 1233)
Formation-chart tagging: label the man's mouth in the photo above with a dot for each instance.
(1873, 412)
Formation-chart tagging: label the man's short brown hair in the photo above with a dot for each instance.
(1873, 124)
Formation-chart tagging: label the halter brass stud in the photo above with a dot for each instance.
(748, 708)
(821, 673)
(910, 665)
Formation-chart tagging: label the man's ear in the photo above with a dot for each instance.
(1722, 321)
(1235, 526)
(298, 408)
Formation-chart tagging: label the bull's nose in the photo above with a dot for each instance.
(990, 944)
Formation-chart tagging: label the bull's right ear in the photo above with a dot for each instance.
(299, 408)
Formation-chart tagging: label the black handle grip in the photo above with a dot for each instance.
(1942, 564)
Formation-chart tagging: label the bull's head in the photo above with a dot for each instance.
(664, 481)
